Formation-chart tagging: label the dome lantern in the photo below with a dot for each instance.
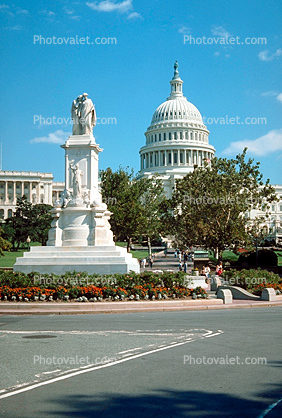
(176, 84)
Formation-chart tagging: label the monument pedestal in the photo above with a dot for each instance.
(59, 260)
(80, 237)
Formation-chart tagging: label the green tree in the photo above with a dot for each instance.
(18, 227)
(152, 200)
(133, 203)
(4, 244)
(209, 205)
(121, 192)
(41, 222)
(28, 220)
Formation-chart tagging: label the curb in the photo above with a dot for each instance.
(74, 308)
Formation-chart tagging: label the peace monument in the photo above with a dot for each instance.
(80, 237)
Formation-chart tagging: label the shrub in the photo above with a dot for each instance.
(250, 279)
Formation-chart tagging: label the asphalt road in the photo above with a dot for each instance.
(177, 364)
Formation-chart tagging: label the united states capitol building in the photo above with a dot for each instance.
(176, 141)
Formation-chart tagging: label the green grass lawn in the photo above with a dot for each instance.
(9, 258)
(135, 253)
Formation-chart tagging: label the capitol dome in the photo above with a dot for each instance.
(176, 140)
(176, 109)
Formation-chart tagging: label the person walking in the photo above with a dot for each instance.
(219, 269)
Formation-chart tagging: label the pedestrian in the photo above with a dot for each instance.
(144, 263)
(165, 252)
(179, 256)
(175, 254)
(150, 261)
(180, 266)
(219, 269)
(185, 266)
(207, 271)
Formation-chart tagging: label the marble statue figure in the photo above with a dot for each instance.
(75, 115)
(83, 115)
(77, 176)
(87, 115)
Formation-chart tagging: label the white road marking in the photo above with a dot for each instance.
(264, 413)
(43, 373)
(148, 333)
(132, 349)
(218, 333)
(90, 369)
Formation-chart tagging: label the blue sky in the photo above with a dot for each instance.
(126, 72)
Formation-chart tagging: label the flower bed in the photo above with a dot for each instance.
(84, 287)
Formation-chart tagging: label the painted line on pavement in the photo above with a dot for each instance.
(264, 413)
(91, 369)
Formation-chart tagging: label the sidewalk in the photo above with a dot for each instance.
(73, 308)
(167, 263)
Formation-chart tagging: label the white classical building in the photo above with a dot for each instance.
(273, 220)
(37, 187)
(176, 141)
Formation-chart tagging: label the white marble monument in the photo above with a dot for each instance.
(80, 237)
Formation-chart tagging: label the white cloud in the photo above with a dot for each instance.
(22, 12)
(273, 93)
(184, 30)
(45, 12)
(262, 146)
(216, 54)
(134, 15)
(267, 56)
(270, 93)
(279, 97)
(4, 8)
(58, 137)
(111, 6)
(220, 31)
(16, 27)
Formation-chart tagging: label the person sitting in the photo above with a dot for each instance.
(207, 270)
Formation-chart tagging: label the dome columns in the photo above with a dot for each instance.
(175, 157)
